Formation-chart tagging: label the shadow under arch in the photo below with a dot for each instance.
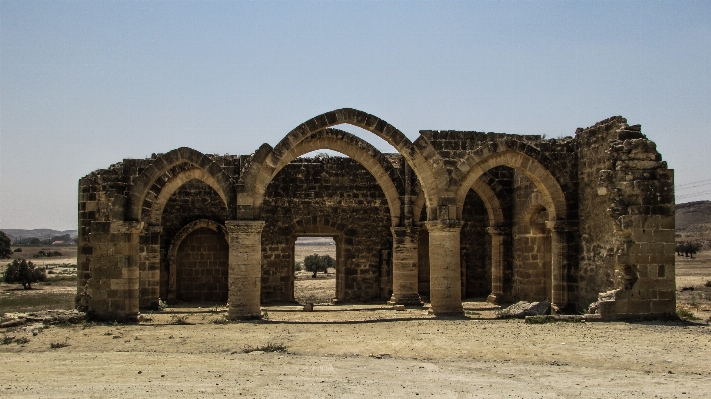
(141, 189)
(422, 157)
(357, 149)
(552, 194)
(488, 196)
(175, 245)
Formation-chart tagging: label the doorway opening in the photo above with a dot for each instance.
(315, 265)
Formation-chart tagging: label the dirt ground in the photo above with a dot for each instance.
(367, 350)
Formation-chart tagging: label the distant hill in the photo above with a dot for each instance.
(38, 233)
(693, 222)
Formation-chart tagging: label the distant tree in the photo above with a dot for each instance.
(688, 249)
(5, 250)
(318, 263)
(23, 272)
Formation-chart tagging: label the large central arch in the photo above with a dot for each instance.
(350, 145)
(422, 158)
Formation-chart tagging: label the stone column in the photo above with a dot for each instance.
(405, 285)
(498, 235)
(113, 288)
(559, 261)
(445, 277)
(245, 268)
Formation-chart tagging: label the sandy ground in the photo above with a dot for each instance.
(367, 350)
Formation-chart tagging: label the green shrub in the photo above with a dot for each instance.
(22, 272)
(686, 314)
(708, 284)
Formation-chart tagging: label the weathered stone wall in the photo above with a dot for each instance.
(531, 243)
(338, 197)
(201, 272)
(475, 248)
(631, 243)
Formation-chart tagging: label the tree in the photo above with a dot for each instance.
(5, 250)
(317, 263)
(24, 272)
(688, 249)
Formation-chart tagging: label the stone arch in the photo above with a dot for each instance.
(175, 245)
(145, 188)
(487, 195)
(552, 194)
(422, 157)
(172, 185)
(356, 148)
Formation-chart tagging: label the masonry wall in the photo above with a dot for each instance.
(341, 197)
(631, 244)
(194, 200)
(531, 272)
(201, 272)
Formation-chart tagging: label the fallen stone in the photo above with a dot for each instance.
(522, 309)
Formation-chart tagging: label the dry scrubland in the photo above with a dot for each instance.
(361, 350)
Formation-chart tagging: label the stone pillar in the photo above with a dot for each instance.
(498, 235)
(245, 268)
(445, 284)
(113, 288)
(559, 261)
(149, 266)
(405, 285)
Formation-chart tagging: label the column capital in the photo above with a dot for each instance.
(562, 225)
(126, 227)
(498, 231)
(244, 226)
(443, 225)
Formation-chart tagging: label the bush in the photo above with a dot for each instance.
(708, 283)
(17, 250)
(22, 272)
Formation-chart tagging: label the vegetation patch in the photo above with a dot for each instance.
(180, 320)
(59, 344)
(685, 314)
(35, 300)
(269, 347)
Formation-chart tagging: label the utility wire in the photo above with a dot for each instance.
(693, 194)
(693, 183)
(692, 187)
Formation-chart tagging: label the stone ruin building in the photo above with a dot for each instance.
(453, 215)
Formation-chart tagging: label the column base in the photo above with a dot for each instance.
(235, 315)
(406, 299)
(452, 312)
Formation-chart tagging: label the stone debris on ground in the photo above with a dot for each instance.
(520, 310)
(45, 317)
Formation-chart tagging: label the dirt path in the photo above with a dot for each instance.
(368, 350)
(354, 351)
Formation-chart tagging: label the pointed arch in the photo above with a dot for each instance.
(474, 166)
(145, 189)
(356, 148)
(422, 157)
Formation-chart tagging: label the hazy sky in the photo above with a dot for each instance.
(85, 84)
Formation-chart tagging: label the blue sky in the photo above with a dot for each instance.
(85, 84)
